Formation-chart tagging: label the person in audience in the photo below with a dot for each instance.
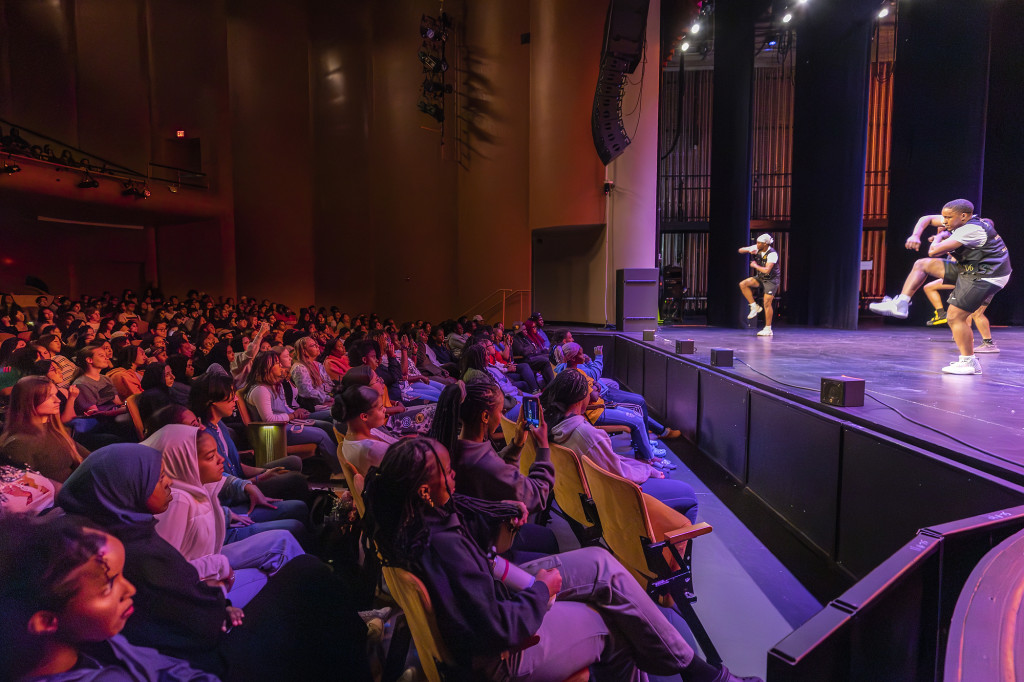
(456, 339)
(527, 349)
(475, 366)
(600, 618)
(98, 406)
(183, 368)
(18, 365)
(65, 600)
(125, 374)
(86, 337)
(607, 407)
(64, 364)
(466, 421)
(309, 375)
(44, 317)
(34, 434)
(301, 625)
(212, 399)
(265, 398)
(9, 346)
(363, 375)
(565, 406)
(538, 323)
(196, 524)
(335, 359)
(66, 396)
(361, 409)
(156, 389)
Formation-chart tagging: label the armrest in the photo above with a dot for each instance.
(683, 534)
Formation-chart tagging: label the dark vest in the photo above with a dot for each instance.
(761, 258)
(990, 260)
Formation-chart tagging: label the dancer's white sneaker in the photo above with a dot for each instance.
(890, 307)
(965, 365)
(767, 331)
(754, 310)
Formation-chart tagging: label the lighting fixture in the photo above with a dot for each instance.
(883, 13)
(685, 46)
(695, 28)
(787, 17)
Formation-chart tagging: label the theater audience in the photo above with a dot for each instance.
(301, 625)
(362, 410)
(65, 600)
(125, 375)
(33, 433)
(418, 525)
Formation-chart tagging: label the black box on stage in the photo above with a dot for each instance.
(843, 391)
(685, 347)
(721, 357)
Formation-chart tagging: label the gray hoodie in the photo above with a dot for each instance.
(586, 440)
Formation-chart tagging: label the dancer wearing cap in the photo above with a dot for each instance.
(766, 262)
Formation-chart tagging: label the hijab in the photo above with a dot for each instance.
(180, 451)
(112, 484)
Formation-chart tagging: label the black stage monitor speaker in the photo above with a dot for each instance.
(685, 347)
(842, 391)
(624, 31)
(721, 357)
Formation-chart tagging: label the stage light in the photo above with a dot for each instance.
(787, 17)
(695, 28)
(685, 46)
(801, 2)
(883, 13)
(772, 43)
(88, 182)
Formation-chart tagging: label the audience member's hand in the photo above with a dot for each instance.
(73, 392)
(257, 498)
(552, 578)
(91, 410)
(524, 513)
(300, 413)
(234, 619)
(522, 428)
(236, 521)
(270, 473)
(540, 434)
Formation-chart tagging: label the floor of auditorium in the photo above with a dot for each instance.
(746, 598)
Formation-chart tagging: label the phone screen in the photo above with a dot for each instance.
(598, 350)
(531, 410)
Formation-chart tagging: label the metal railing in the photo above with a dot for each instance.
(495, 305)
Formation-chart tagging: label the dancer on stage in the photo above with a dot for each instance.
(981, 269)
(766, 262)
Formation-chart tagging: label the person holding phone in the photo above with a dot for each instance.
(466, 420)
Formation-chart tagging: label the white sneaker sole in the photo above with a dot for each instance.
(961, 372)
(888, 312)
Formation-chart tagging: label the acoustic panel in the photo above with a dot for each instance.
(722, 434)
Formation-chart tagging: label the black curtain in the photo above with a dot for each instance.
(731, 159)
(830, 111)
(938, 129)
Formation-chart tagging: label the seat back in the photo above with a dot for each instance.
(624, 522)
(412, 596)
(508, 429)
(528, 455)
(570, 485)
(133, 409)
(353, 478)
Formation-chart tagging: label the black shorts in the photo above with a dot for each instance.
(770, 287)
(970, 293)
(951, 273)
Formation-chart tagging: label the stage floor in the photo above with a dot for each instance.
(902, 368)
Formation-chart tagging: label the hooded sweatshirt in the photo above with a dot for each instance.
(580, 436)
(495, 476)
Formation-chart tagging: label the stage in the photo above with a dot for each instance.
(901, 367)
(853, 483)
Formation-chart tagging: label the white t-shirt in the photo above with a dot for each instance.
(773, 257)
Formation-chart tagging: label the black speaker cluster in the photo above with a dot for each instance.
(624, 31)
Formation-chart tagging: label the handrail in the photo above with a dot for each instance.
(506, 294)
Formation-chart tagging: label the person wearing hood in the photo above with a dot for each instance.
(605, 402)
(301, 625)
(196, 524)
(565, 404)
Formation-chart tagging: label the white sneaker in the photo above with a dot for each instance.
(754, 310)
(965, 365)
(986, 347)
(890, 307)
(767, 331)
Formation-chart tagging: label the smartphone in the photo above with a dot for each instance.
(598, 350)
(531, 410)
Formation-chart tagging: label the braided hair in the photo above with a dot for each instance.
(568, 388)
(462, 402)
(394, 510)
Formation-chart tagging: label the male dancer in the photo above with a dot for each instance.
(981, 269)
(766, 262)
